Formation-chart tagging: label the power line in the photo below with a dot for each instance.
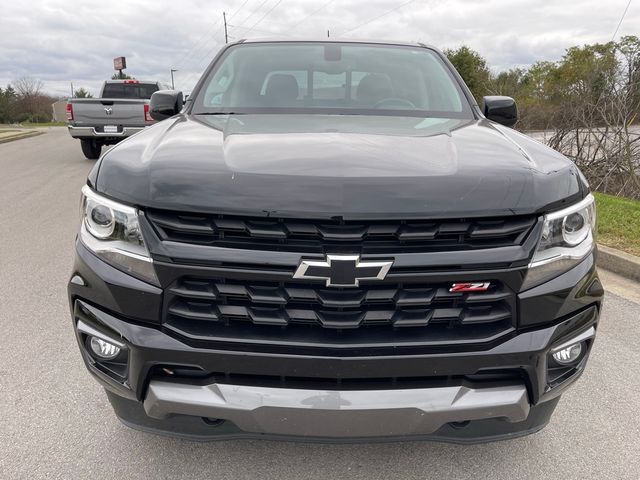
(286, 26)
(208, 52)
(621, 19)
(379, 16)
(210, 34)
(312, 13)
(264, 16)
(270, 32)
(239, 8)
(196, 46)
(323, 6)
(253, 12)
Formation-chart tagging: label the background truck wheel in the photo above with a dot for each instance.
(91, 148)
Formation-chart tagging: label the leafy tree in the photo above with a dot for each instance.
(116, 76)
(587, 72)
(473, 69)
(82, 93)
(8, 100)
(2, 107)
(510, 82)
(10, 92)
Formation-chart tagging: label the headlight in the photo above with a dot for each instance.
(112, 232)
(568, 236)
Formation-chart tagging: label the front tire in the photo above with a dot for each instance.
(91, 149)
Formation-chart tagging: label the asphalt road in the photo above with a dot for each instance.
(57, 423)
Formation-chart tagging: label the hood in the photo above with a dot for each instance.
(328, 166)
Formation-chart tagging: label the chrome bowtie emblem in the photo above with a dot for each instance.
(108, 110)
(343, 270)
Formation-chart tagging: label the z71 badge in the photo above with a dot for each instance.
(470, 287)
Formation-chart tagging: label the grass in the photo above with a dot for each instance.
(618, 222)
(44, 124)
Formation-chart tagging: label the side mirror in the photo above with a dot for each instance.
(165, 104)
(500, 109)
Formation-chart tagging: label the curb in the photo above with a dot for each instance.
(20, 136)
(619, 262)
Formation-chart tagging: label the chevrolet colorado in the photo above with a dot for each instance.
(121, 111)
(331, 241)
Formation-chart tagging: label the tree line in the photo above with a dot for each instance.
(585, 75)
(26, 101)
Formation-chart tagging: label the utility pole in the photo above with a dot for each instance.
(71, 89)
(172, 85)
(327, 33)
(226, 36)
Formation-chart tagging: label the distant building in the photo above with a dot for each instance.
(59, 110)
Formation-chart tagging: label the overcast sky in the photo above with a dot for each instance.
(62, 41)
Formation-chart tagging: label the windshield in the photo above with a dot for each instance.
(337, 78)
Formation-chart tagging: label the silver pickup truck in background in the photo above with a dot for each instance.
(121, 111)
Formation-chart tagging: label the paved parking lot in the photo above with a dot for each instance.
(57, 423)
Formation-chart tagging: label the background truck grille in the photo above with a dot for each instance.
(318, 236)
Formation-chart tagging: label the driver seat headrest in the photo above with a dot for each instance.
(281, 88)
(372, 88)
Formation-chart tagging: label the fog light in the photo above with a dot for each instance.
(103, 349)
(568, 355)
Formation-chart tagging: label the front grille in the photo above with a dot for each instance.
(289, 312)
(261, 306)
(319, 236)
(283, 304)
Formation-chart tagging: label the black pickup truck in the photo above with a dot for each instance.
(332, 241)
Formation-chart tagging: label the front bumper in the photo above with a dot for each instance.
(337, 413)
(484, 393)
(320, 426)
(465, 408)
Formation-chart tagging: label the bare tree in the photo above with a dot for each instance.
(28, 87)
(595, 126)
(29, 93)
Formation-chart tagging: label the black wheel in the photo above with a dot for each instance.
(91, 149)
